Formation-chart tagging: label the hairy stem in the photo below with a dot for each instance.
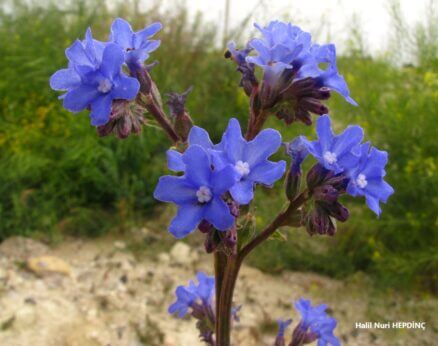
(233, 264)
(155, 110)
(272, 227)
(223, 319)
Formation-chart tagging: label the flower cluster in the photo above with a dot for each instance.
(198, 299)
(294, 80)
(95, 80)
(314, 325)
(345, 164)
(217, 176)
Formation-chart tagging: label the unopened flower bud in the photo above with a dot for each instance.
(326, 193)
(205, 226)
(316, 175)
(183, 121)
(319, 222)
(293, 182)
(230, 239)
(338, 211)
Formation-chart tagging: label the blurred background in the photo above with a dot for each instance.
(60, 182)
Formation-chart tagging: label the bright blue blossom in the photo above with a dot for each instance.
(316, 323)
(287, 47)
(94, 79)
(297, 150)
(249, 158)
(189, 296)
(282, 326)
(137, 45)
(283, 46)
(330, 77)
(336, 153)
(366, 178)
(198, 193)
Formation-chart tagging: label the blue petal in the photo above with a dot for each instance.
(64, 79)
(126, 88)
(199, 136)
(186, 220)
(101, 110)
(136, 56)
(198, 166)
(233, 141)
(379, 189)
(223, 180)
(267, 172)
(175, 189)
(122, 34)
(150, 45)
(218, 214)
(142, 35)
(175, 161)
(373, 204)
(243, 191)
(261, 147)
(77, 55)
(351, 137)
(80, 98)
(112, 60)
(325, 133)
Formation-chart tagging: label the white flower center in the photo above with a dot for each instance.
(104, 86)
(330, 157)
(203, 194)
(242, 168)
(361, 181)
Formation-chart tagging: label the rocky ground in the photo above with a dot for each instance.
(101, 292)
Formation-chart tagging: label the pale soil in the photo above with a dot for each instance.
(112, 297)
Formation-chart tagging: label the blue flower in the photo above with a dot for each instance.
(336, 153)
(297, 150)
(188, 296)
(197, 193)
(315, 323)
(137, 45)
(330, 77)
(366, 178)
(282, 326)
(249, 159)
(283, 46)
(94, 79)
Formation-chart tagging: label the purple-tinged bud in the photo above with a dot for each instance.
(230, 239)
(282, 326)
(234, 208)
(205, 226)
(293, 183)
(325, 193)
(126, 118)
(211, 242)
(183, 121)
(337, 210)
(301, 336)
(312, 105)
(319, 222)
(234, 313)
(249, 80)
(316, 175)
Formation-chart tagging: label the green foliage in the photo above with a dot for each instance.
(57, 176)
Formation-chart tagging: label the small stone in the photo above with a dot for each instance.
(163, 258)
(25, 317)
(120, 245)
(45, 265)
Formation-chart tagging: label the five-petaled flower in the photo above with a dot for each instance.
(315, 324)
(198, 193)
(336, 153)
(366, 178)
(137, 45)
(94, 79)
(189, 296)
(249, 158)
